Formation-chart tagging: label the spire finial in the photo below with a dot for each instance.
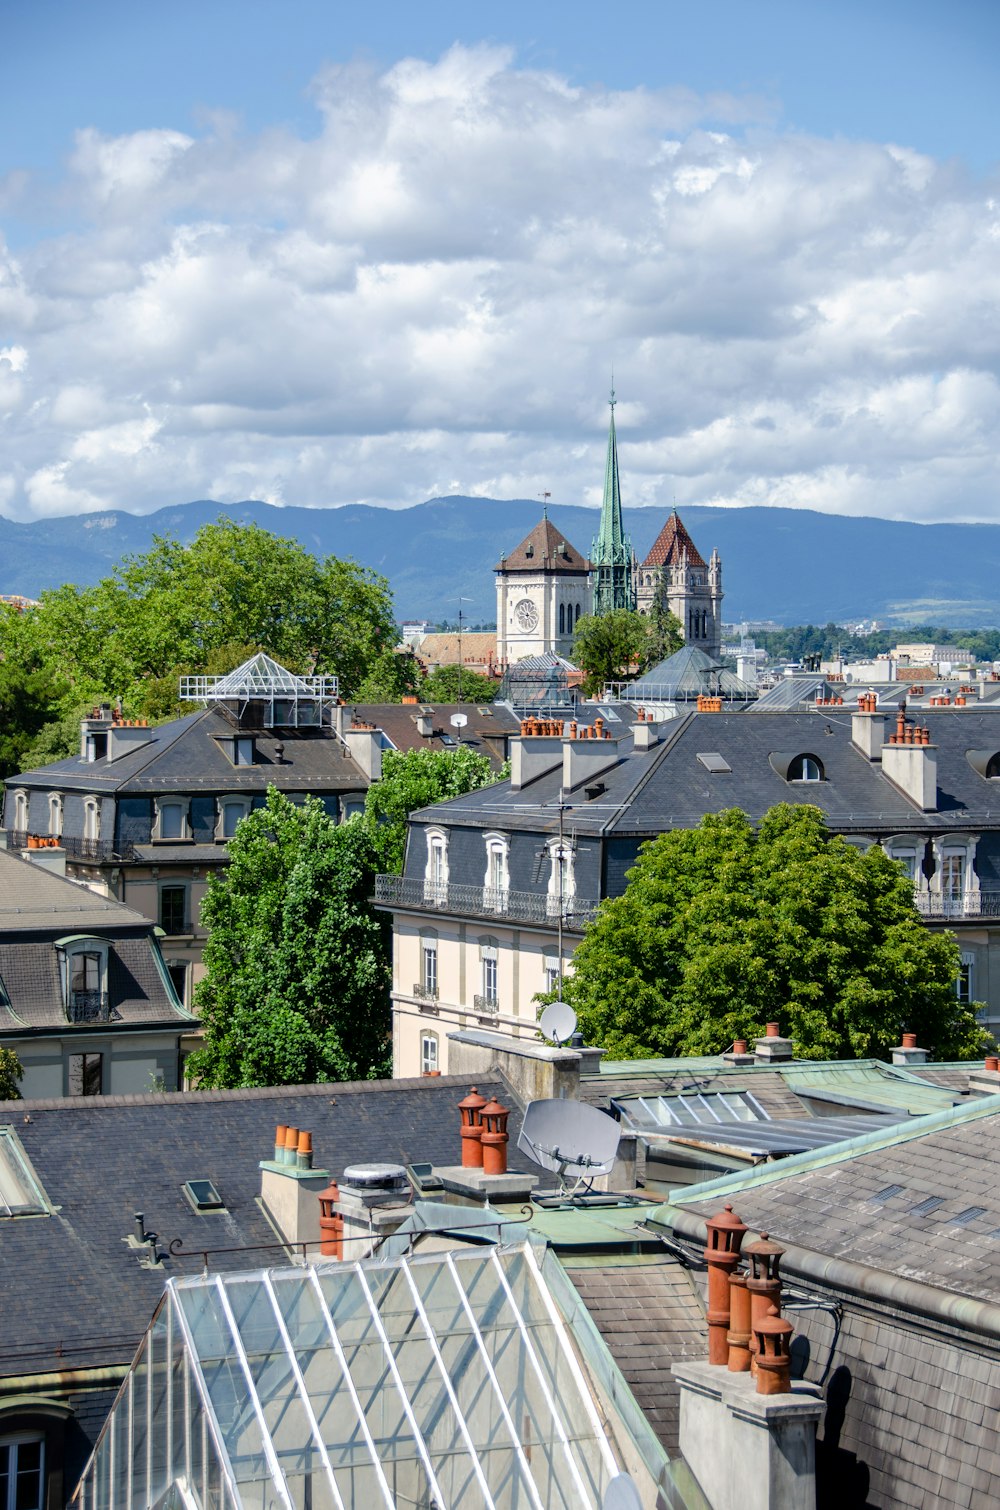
(613, 399)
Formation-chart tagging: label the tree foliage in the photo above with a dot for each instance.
(412, 779)
(11, 1071)
(610, 647)
(451, 684)
(724, 928)
(666, 633)
(297, 977)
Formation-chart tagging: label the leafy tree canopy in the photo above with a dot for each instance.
(724, 928)
(666, 633)
(297, 977)
(394, 675)
(610, 647)
(413, 779)
(11, 1071)
(451, 684)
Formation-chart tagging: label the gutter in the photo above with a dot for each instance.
(71, 1378)
(857, 1279)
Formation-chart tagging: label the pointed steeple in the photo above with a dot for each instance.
(611, 553)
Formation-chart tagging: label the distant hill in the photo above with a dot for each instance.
(790, 565)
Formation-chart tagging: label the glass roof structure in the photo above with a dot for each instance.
(538, 681)
(435, 1380)
(280, 696)
(685, 676)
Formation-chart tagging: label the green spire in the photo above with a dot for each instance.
(611, 552)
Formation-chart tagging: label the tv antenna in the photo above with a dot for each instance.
(460, 602)
(573, 1140)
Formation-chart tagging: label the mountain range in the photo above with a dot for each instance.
(790, 565)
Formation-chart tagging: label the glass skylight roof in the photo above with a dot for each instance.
(20, 1192)
(431, 1381)
(261, 679)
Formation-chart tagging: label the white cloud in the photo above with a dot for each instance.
(428, 294)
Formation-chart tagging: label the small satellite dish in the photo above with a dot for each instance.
(572, 1139)
(621, 1494)
(459, 720)
(558, 1022)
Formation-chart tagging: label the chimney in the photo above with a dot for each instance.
(365, 746)
(374, 1202)
(909, 760)
(739, 1053)
(289, 1186)
(645, 734)
(52, 857)
(125, 737)
(986, 1081)
(724, 1234)
(533, 754)
(588, 756)
(425, 725)
(868, 727)
(907, 1051)
(337, 719)
(773, 1048)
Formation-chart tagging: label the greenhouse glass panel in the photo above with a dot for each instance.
(436, 1380)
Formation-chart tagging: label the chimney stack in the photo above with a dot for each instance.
(772, 1049)
(288, 1189)
(907, 1052)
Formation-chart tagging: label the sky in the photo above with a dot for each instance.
(319, 253)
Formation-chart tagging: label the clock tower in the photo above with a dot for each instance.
(541, 592)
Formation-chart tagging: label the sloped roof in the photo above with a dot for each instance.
(544, 549)
(260, 675)
(670, 544)
(32, 898)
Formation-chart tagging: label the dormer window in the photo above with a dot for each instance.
(243, 751)
(171, 820)
(496, 882)
(805, 768)
(233, 809)
(562, 882)
(21, 812)
(436, 869)
(84, 972)
(55, 815)
(92, 818)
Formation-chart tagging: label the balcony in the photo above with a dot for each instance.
(89, 851)
(88, 1006)
(486, 1006)
(961, 904)
(484, 902)
(425, 993)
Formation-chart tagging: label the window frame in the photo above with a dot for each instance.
(436, 866)
(57, 813)
(430, 1041)
(167, 803)
(86, 1056)
(174, 886)
(22, 810)
(496, 881)
(226, 806)
(10, 1442)
(806, 763)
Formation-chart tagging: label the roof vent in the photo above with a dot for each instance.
(375, 1176)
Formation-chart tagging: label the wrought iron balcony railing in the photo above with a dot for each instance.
(961, 904)
(489, 1006)
(88, 1006)
(484, 901)
(425, 993)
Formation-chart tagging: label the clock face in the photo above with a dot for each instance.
(526, 615)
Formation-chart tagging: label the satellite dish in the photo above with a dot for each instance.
(621, 1494)
(573, 1140)
(459, 720)
(558, 1022)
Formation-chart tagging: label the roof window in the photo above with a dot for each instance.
(714, 762)
(203, 1195)
(21, 1193)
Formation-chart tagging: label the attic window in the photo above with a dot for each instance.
(714, 762)
(21, 1193)
(203, 1195)
(805, 768)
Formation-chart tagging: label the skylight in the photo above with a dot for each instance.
(203, 1195)
(20, 1191)
(441, 1379)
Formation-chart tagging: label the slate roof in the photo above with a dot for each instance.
(544, 548)
(74, 1294)
(668, 547)
(33, 898)
(185, 755)
(648, 1311)
(488, 728)
(919, 1200)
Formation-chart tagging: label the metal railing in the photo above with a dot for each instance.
(964, 904)
(88, 1006)
(489, 1006)
(485, 901)
(96, 851)
(425, 993)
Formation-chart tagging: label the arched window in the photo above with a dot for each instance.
(578, 611)
(428, 1053)
(562, 882)
(805, 768)
(488, 999)
(55, 814)
(21, 812)
(436, 868)
(496, 883)
(92, 817)
(993, 768)
(562, 618)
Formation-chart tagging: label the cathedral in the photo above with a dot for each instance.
(545, 585)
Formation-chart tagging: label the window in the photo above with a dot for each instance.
(490, 977)
(232, 812)
(952, 877)
(436, 869)
(488, 999)
(562, 883)
(428, 1053)
(242, 752)
(22, 1473)
(550, 965)
(993, 768)
(86, 998)
(352, 809)
(20, 1192)
(178, 979)
(497, 880)
(805, 768)
(86, 1074)
(964, 987)
(562, 618)
(21, 811)
(173, 909)
(92, 818)
(429, 967)
(55, 815)
(171, 820)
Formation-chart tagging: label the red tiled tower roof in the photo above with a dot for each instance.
(670, 544)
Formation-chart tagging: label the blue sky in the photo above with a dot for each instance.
(321, 253)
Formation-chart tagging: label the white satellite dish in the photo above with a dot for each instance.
(459, 720)
(621, 1494)
(572, 1139)
(558, 1022)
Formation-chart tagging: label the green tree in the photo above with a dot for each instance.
(724, 928)
(11, 1071)
(31, 687)
(412, 779)
(610, 647)
(447, 685)
(296, 988)
(666, 631)
(394, 674)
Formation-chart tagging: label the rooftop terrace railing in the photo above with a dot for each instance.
(484, 901)
(964, 904)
